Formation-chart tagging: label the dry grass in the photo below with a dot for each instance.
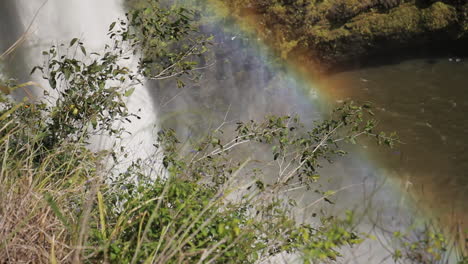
(40, 200)
(30, 230)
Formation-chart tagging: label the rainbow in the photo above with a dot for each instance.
(309, 79)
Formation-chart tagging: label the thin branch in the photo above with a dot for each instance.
(322, 142)
(334, 192)
(24, 35)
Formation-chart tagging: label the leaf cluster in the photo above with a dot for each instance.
(170, 41)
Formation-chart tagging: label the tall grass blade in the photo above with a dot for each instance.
(102, 214)
(56, 210)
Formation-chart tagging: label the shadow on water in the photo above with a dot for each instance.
(431, 51)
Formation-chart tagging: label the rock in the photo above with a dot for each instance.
(340, 32)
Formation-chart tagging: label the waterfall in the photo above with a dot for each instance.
(52, 22)
(241, 87)
(246, 85)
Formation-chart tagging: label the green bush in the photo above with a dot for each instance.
(210, 205)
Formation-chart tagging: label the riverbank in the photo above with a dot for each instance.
(339, 35)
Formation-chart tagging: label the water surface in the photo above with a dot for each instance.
(426, 102)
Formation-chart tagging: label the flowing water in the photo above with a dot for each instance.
(423, 100)
(426, 102)
(245, 85)
(53, 22)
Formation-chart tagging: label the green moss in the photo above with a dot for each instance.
(438, 16)
(278, 9)
(464, 19)
(401, 22)
(286, 47)
(336, 31)
(321, 34)
(404, 19)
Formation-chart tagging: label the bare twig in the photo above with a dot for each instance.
(23, 37)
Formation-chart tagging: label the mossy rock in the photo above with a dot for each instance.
(336, 32)
(464, 18)
(438, 16)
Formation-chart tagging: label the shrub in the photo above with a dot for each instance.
(210, 205)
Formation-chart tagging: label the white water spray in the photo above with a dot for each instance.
(59, 21)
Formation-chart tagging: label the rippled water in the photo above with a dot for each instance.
(426, 103)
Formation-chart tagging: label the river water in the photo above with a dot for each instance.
(425, 102)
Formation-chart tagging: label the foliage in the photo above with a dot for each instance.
(89, 90)
(333, 32)
(428, 245)
(169, 39)
(194, 212)
(214, 204)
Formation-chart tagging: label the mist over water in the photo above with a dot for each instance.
(243, 84)
(55, 22)
(11, 30)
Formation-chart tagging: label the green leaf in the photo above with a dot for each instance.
(180, 84)
(275, 156)
(94, 122)
(73, 41)
(83, 50)
(112, 26)
(129, 92)
(67, 73)
(215, 141)
(35, 68)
